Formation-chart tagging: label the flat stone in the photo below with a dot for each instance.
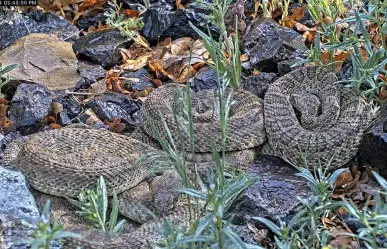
(43, 59)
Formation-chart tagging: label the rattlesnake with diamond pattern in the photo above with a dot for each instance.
(63, 162)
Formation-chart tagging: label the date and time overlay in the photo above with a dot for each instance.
(16, 3)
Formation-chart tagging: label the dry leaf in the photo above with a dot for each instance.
(343, 178)
(55, 126)
(244, 57)
(4, 121)
(131, 13)
(179, 5)
(116, 126)
(180, 46)
(51, 119)
(137, 64)
(339, 58)
(157, 82)
(298, 13)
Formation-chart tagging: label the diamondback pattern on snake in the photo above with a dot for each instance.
(308, 111)
(63, 162)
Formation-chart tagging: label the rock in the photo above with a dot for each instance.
(70, 106)
(15, 197)
(102, 47)
(373, 147)
(266, 42)
(206, 78)
(14, 25)
(115, 105)
(29, 107)
(258, 84)
(43, 59)
(246, 235)
(285, 66)
(168, 4)
(90, 73)
(18, 210)
(345, 72)
(161, 22)
(85, 22)
(141, 81)
(274, 194)
(14, 229)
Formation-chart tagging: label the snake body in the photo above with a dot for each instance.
(303, 110)
(309, 115)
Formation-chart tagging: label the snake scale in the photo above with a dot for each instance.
(303, 111)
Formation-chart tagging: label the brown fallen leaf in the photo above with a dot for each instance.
(137, 64)
(339, 58)
(51, 120)
(290, 20)
(116, 126)
(55, 126)
(260, 235)
(131, 13)
(4, 121)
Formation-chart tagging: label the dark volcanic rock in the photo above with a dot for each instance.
(142, 80)
(373, 147)
(267, 43)
(29, 107)
(116, 105)
(258, 84)
(85, 22)
(161, 22)
(274, 194)
(70, 107)
(14, 25)
(90, 73)
(345, 72)
(102, 47)
(206, 78)
(168, 4)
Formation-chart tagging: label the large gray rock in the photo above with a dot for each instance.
(274, 194)
(18, 210)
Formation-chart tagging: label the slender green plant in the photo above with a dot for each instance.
(227, 61)
(44, 235)
(374, 220)
(129, 27)
(4, 76)
(93, 205)
(305, 230)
